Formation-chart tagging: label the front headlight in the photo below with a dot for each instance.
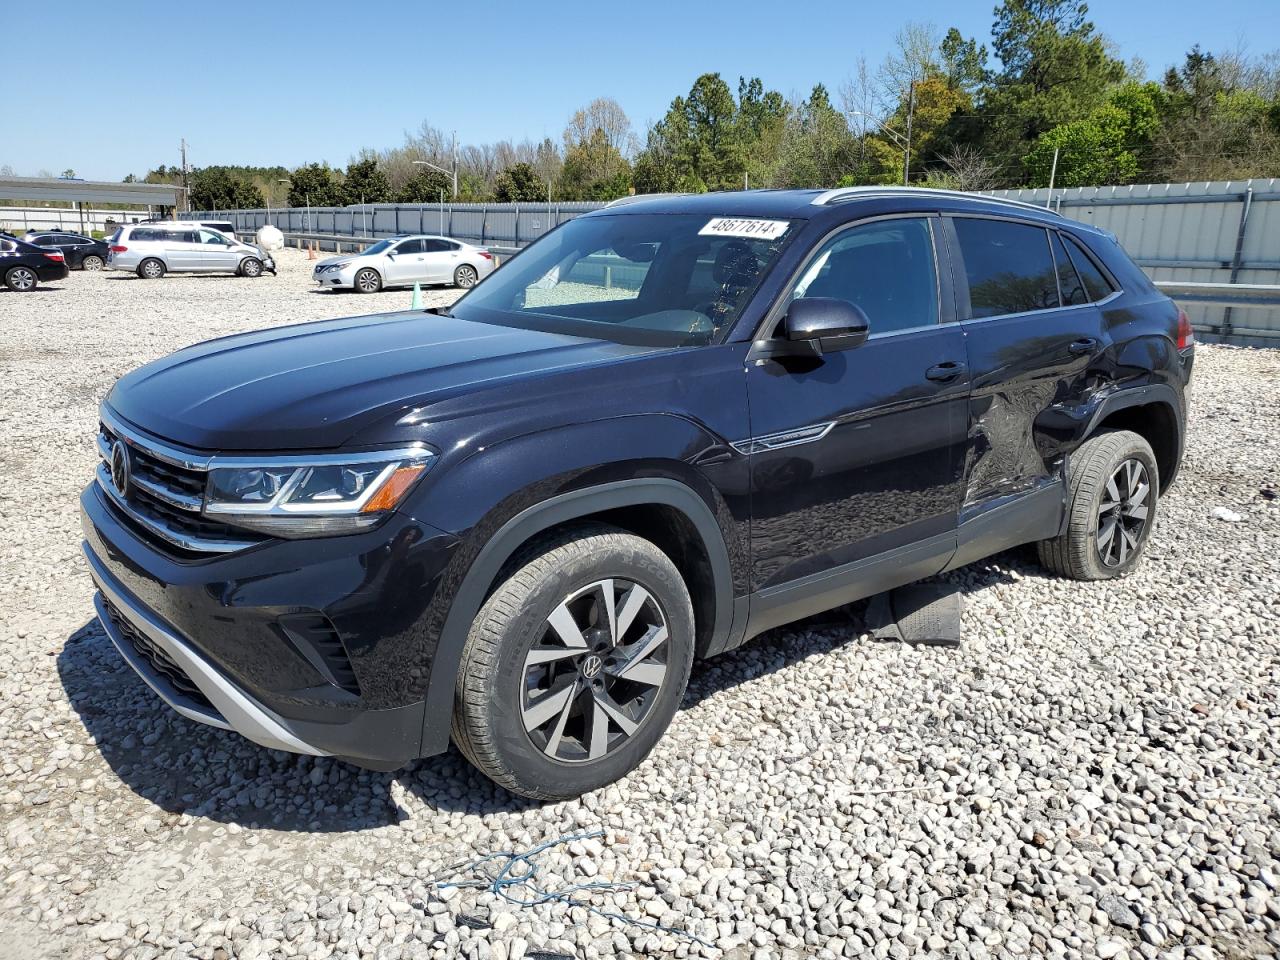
(312, 496)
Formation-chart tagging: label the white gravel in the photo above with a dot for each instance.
(1093, 774)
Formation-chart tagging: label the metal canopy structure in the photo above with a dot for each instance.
(90, 191)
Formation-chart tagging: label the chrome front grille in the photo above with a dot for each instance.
(164, 495)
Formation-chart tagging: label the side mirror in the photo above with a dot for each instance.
(834, 324)
(814, 326)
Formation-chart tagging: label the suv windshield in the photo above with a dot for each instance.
(657, 279)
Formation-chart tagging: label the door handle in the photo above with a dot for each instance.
(943, 372)
(1083, 345)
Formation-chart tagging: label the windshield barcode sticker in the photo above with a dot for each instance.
(739, 227)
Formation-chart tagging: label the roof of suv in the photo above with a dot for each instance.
(810, 202)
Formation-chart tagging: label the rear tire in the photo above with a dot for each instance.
(21, 279)
(92, 263)
(465, 276)
(151, 269)
(367, 280)
(1111, 508)
(555, 697)
(250, 267)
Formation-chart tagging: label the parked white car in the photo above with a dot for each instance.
(175, 246)
(400, 261)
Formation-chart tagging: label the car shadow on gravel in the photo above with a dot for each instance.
(182, 766)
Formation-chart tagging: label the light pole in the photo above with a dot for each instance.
(453, 173)
(904, 142)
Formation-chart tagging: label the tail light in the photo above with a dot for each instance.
(1186, 336)
(118, 249)
(486, 254)
(55, 257)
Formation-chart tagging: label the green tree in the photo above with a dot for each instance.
(315, 185)
(586, 172)
(818, 148)
(520, 183)
(1055, 69)
(69, 174)
(215, 188)
(426, 186)
(1107, 147)
(365, 183)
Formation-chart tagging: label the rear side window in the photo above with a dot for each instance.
(439, 246)
(1095, 282)
(143, 233)
(1008, 265)
(886, 268)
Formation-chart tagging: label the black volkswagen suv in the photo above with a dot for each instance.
(665, 427)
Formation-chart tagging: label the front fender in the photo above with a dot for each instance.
(532, 483)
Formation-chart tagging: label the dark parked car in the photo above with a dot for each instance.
(82, 253)
(665, 427)
(23, 265)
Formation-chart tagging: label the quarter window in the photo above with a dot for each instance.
(1073, 293)
(1008, 265)
(1094, 280)
(886, 268)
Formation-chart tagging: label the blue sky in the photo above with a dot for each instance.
(318, 80)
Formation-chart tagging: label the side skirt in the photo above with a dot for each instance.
(1010, 522)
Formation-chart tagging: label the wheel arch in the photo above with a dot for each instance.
(661, 509)
(1154, 412)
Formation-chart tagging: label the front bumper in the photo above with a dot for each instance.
(216, 640)
(340, 279)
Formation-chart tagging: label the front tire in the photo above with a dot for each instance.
(1111, 510)
(92, 263)
(465, 276)
(250, 267)
(368, 280)
(151, 269)
(575, 665)
(21, 279)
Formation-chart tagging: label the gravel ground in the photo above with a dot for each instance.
(1093, 774)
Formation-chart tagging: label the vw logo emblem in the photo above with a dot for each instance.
(592, 666)
(120, 468)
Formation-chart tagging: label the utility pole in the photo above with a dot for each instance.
(906, 151)
(455, 165)
(186, 186)
(1053, 172)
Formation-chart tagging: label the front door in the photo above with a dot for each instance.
(406, 263)
(858, 456)
(216, 253)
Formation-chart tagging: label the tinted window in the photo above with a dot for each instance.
(182, 236)
(70, 240)
(885, 268)
(1068, 280)
(1094, 280)
(7, 246)
(409, 246)
(439, 246)
(42, 241)
(143, 233)
(1009, 267)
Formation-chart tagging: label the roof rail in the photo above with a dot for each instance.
(636, 197)
(849, 193)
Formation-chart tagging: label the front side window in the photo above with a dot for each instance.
(886, 268)
(409, 246)
(215, 239)
(644, 278)
(1009, 266)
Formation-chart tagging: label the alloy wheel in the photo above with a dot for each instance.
(466, 277)
(1123, 512)
(92, 263)
(367, 280)
(593, 676)
(21, 278)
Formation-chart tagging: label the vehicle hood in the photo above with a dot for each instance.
(317, 385)
(333, 261)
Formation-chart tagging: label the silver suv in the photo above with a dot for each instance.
(400, 261)
(153, 249)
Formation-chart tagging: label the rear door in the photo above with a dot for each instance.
(858, 455)
(406, 263)
(442, 258)
(1033, 339)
